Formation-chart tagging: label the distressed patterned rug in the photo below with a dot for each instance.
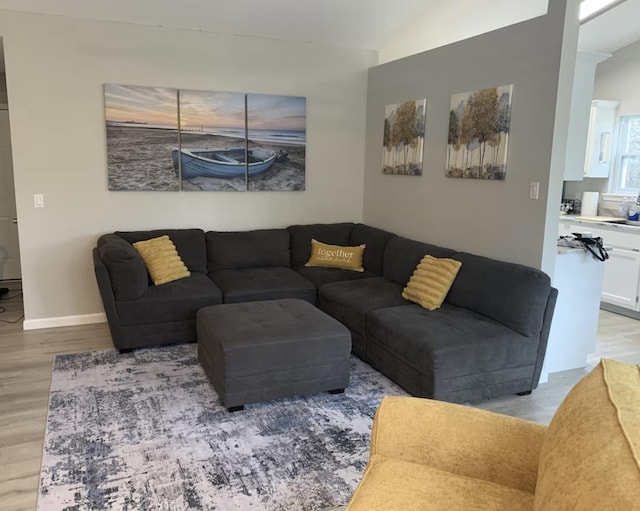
(145, 431)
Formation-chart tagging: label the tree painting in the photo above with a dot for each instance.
(403, 140)
(479, 133)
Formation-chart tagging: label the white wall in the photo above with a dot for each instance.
(448, 21)
(618, 78)
(55, 69)
(495, 219)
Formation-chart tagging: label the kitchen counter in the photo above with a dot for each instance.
(621, 287)
(634, 229)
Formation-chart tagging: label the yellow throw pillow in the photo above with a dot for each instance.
(162, 260)
(431, 281)
(335, 256)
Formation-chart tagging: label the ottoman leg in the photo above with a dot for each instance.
(336, 391)
(232, 409)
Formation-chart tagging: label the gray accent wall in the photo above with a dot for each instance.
(3, 89)
(495, 219)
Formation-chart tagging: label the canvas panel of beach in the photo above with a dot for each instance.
(212, 129)
(142, 132)
(277, 124)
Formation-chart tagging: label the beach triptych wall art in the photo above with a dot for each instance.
(403, 142)
(168, 139)
(479, 133)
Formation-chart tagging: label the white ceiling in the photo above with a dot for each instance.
(612, 30)
(366, 24)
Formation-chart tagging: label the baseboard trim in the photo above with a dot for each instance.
(84, 319)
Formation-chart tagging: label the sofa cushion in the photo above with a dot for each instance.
(252, 284)
(251, 249)
(175, 301)
(402, 255)
(350, 301)
(509, 293)
(592, 445)
(451, 340)
(376, 240)
(127, 273)
(161, 260)
(189, 243)
(431, 281)
(322, 276)
(391, 484)
(324, 255)
(301, 236)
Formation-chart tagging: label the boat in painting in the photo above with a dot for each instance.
(222, 163)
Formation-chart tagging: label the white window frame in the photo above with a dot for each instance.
(616, 187)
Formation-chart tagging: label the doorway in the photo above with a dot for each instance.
(10, 271)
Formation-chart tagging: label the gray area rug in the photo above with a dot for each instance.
(145, 431)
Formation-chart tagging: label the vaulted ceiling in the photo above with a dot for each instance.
(365, 24)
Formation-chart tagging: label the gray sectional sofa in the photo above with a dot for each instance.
(489, 338)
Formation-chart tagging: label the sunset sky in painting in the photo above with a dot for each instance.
(276, 112)
(211, 109)
(151, 105)
(226, 110)
(202, 109)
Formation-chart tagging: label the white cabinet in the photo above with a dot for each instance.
(600, 138)
(574, 329)
(579, 115)
(621, 284)
(622, 278)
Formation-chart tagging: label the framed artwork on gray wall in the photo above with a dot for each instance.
(169, 139)
(403, 141)
(142, 130)
(478, 137)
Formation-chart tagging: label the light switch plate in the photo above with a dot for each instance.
(534, 190)
(38, 200)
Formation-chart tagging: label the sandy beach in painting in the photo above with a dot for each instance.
(140, 159)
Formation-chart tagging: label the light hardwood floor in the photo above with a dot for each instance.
(25, 374)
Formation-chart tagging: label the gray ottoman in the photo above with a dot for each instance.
(258, 351)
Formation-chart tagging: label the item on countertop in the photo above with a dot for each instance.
(623, 209)
(586, 242)
(590, 203)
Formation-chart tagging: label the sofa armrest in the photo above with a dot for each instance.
(108, 300)
(127, 273)
(459, 439)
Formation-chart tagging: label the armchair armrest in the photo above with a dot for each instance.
(459, 439)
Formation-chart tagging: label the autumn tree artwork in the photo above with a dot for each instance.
(404, 126)
(479, 133)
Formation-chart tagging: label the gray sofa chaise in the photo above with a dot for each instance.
(488, 339)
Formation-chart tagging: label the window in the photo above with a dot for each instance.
(627, 176)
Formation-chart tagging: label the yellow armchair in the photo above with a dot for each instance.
(431, 455)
